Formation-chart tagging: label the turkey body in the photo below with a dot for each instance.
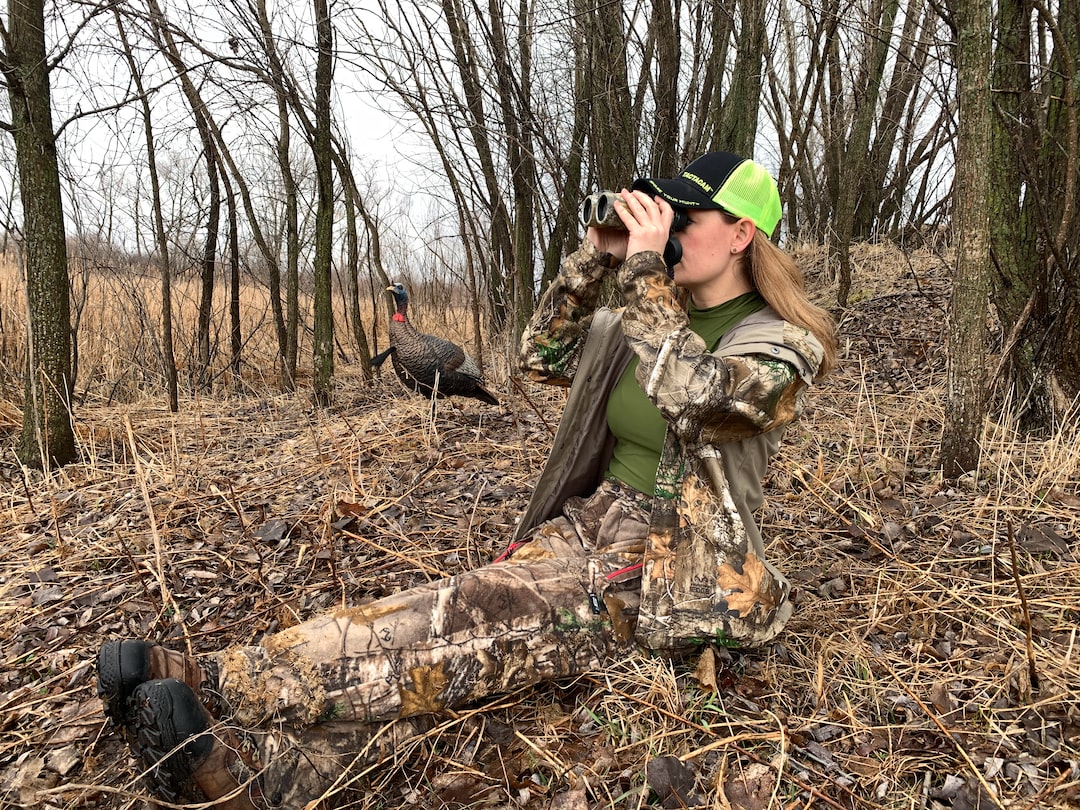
(429, 364)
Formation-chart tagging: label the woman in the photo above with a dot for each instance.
(640, 532)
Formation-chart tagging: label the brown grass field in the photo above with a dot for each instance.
(933, 660)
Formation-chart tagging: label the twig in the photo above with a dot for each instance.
(26, 485)
(531, 404)
(1032, 673)
(235, 503)
(429, 569)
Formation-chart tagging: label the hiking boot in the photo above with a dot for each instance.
(123, 665)
(186, 756)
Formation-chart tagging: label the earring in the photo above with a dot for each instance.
(734, 250)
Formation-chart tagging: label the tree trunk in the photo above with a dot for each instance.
(1035, 193)
(163, 31)
(795, 103)
(323, 344)
(500, 238)
(856, 149)
(353, 209)
(965, 407)
(236, 341)
(738, 126)
(905, 77)
(201, 376)
(513, 95)
(614, 133)
(665, 31)
(710, 24)
(204, 127)
(47, 438)
(352, 265)
(290, 328)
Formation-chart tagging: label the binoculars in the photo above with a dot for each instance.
(598, 211)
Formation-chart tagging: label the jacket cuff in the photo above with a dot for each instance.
(648, 262)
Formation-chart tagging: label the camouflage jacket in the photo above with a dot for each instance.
(704, 575)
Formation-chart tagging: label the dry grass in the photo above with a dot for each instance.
(117, 314)
(932, 661)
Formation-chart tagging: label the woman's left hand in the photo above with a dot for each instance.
(647, 219)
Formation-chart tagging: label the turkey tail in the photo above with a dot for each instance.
(484, 395)
(378, 359)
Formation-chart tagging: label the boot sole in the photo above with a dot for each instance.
(121, 667)
(166, 713)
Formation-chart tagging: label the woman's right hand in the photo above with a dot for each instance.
(609, 240)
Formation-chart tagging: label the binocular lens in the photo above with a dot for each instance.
(605, 204)
(598, 210)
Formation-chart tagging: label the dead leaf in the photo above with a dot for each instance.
(751, 790)
(1042, 540)
(705, 672)
(458, 788)
(349, 509)
(1057, 495)
(272, 531)
(672, 782)
(940, 698)
(573, 799)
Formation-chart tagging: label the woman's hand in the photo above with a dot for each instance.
(648, 225)
(647, 220)
(609, 240)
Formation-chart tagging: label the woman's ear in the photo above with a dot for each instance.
(744, 234)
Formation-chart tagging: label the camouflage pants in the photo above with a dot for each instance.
(561, 603)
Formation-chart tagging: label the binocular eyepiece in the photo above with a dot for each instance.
(598, 211)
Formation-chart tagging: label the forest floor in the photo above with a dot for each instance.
(932, 661)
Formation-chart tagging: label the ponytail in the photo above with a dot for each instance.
(779, 280)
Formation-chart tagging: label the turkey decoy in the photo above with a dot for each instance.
(424, 362)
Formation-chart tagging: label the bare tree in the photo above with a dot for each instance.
(236, 337)
(161, 241)
(526, 105)
(163, 33)
(794, 97)
(615, 118)
(888, 171)
(323, 353)
(710, 27)
(216, 148)
(852, 126)
(966, 406)
(47, 437)
(278, 81)
(1035, 189)
(351, 198)
(738, 124)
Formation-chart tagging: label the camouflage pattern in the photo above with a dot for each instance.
(316, 698)
(704, 576)
(552, 342)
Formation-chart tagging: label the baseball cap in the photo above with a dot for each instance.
(722, 180)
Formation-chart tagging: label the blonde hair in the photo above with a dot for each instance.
(779, 280)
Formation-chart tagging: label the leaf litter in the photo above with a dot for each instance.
(932, 661)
